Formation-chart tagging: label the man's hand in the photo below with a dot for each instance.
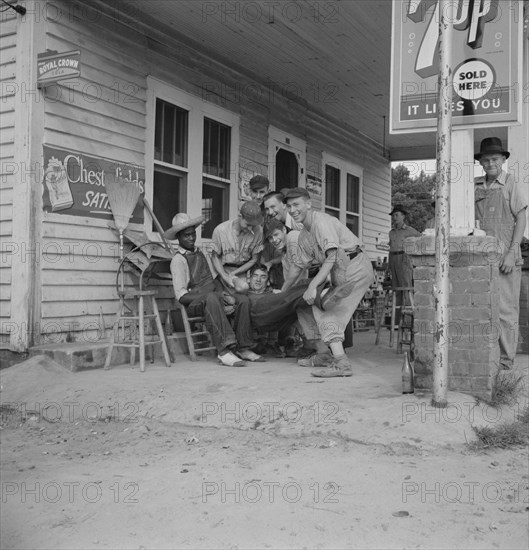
(508, 262)
(310, 294)
(229, 280)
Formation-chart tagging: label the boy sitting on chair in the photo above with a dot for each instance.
(195, 288)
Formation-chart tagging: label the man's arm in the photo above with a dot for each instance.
(219, 268)
(508, 261)
(331, 256)
(291, 277)
(245, 267)
(180, 275)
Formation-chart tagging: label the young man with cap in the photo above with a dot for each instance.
(195, 288)
(399, 263)
(259, 187)
(237, 244)
(339, 253)
(286, 244)
(500, 208)
(275, 208)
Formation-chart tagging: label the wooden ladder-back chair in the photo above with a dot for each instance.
(405, 325)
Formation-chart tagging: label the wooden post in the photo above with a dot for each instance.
(27, 198)
(442, 206)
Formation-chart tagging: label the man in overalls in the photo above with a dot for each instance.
(500, 210)
(195, 288)
(399, 263)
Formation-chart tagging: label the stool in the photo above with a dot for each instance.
(196, 334)
(391, 298)
(137, 314)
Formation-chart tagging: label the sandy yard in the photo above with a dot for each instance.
(203, 456)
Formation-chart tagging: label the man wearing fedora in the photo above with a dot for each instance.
(500, 208)
(195, 288)
(399, 263)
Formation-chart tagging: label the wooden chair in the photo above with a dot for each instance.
(197, 337)
(406, 310)
(131, 316)
(135, 313)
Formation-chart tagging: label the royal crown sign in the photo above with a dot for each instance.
(53, 67)
(486, 63)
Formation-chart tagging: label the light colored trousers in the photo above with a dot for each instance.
(509, 285)
(332, 323)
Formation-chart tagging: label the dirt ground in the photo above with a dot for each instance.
(204, 456)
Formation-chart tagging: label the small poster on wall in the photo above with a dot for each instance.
(74, 183)
(314, 185)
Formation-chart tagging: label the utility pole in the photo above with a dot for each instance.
(442, 204)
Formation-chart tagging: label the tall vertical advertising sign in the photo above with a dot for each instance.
(486, 63)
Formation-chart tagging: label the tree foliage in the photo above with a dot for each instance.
(415, 195)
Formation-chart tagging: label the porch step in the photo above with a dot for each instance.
(77, 355)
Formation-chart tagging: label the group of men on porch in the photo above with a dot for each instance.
(322, 305)
(318, 269)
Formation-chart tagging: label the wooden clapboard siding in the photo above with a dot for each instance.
(8, 176)
(104, 115)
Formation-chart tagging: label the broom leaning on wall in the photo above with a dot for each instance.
(123, 196)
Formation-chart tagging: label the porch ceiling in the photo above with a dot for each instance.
(335, 55)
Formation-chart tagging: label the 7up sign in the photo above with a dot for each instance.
(486, 63)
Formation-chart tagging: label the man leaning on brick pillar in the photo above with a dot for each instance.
(500, 209)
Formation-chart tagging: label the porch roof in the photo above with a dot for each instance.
(334, 56)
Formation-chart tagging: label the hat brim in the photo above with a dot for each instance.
(172, 232)
(398, 210)
(506, 154)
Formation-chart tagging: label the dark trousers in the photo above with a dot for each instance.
(276, 311)
(211, 305)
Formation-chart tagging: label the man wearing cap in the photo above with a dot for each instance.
(399, 263)
(259, 187)
(237, 244)
(275, 208)
(286, 244)
(338, 251)
(195, 288)
(500, 209)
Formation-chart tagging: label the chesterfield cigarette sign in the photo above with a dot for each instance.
(54, 66)
(486, 63)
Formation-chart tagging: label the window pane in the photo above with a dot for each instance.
(352, 223)
(332, 186)
(217, 149)
(332, 212)
(168, 196)
(214, 206)
(353, 193)
(170, 134)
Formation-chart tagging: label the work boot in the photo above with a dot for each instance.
(339, 367)
(317, 360)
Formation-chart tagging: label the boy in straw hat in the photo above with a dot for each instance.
(500, 208)
(195, 288)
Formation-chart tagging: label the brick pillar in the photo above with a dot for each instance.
(473, 327)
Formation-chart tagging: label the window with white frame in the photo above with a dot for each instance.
(192, 157)
(343, 192)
